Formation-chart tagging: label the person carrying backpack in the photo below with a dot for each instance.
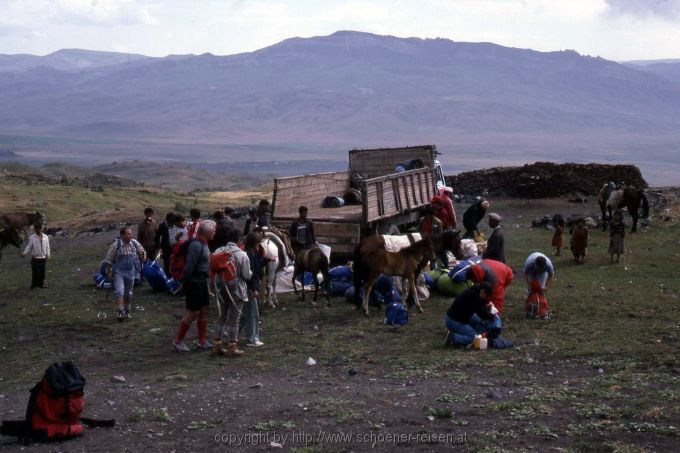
(230, 298)
(124, 259)
(195, 285)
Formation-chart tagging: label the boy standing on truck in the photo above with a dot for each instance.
(302, 228)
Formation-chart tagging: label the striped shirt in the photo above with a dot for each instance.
(125, 249)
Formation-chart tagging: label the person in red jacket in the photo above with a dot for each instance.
(446, 194)
(440, 211)
(498, 274)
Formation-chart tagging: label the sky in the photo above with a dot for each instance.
(613, 29)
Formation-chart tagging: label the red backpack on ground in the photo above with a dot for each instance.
(54, 407)
(536, 305)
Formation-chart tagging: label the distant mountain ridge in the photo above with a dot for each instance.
(348, 89)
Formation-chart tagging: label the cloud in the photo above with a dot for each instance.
(664, 9)
(103, 12)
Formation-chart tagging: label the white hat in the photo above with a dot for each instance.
(448, 189)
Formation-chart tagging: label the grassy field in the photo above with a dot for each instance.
(601, 375)
(68, 206)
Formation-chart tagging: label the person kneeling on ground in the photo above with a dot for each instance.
(125, 258)
(231, 299)
(195, 285)
(472, 314)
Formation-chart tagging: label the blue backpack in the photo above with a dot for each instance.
(396, 314)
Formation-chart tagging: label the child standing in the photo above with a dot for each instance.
(579, 241)
(557, 239)
(250, 317)
(616, 235)
(39, 249)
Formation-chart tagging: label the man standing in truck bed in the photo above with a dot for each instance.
(302, 228)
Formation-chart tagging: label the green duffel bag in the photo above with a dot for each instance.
(448, 287)
(436, 273)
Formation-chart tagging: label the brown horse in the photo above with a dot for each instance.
(405, 264)
(630, 198)
(310, 260)
(20, 220)
(447, 241)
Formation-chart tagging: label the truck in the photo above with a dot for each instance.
(388, 197)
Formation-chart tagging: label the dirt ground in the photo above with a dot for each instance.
(601, 375)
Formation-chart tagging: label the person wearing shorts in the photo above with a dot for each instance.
(195, 284)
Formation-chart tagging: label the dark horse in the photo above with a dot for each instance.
(406, 263)
(9, 236)
(630, 198)
(13, 224)
(310, 260)
(20, 220)
(447, 241)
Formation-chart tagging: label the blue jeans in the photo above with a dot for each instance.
(123, 286)
(464, 333)
(250, 319)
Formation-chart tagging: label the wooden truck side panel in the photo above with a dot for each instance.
(395, 194)
(372, 163)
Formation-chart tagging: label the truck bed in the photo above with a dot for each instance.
(345, 214)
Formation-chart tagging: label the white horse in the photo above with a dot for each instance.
(278, 256)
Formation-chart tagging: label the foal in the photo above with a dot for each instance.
(405, 264)
(310, 260)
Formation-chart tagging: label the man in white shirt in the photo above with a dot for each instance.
(39, 249)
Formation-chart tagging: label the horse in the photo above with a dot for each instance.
(447, 241)
(20, 220)
(9, 236)
(630, 198)
(602, 199)
(310, 260)
(277, 253)
(405, 264)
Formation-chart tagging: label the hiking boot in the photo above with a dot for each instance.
(121, 316)
(255, 344)
(180, 346)
(233, 350)
(217, 348)
(205, 345)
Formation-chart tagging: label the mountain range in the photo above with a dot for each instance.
(350, 89)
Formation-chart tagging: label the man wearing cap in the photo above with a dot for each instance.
(473, 215)
(446, 194)
(495, 246)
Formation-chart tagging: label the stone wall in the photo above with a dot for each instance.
(544, 180)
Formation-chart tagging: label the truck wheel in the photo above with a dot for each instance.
(388, 228)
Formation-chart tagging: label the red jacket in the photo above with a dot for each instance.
(499, 275)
